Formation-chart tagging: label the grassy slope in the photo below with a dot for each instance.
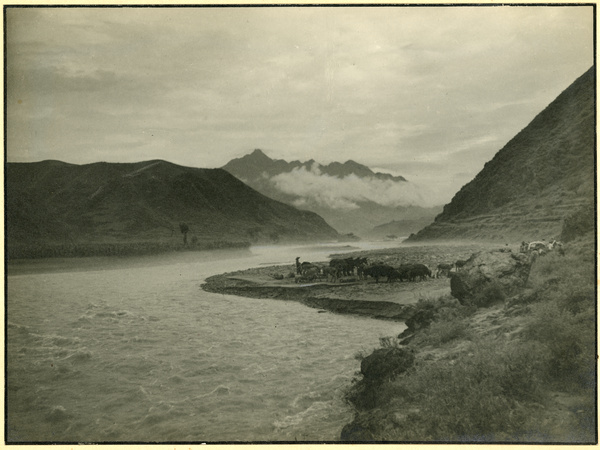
(519, 370)
(542, 175)
(51, 202)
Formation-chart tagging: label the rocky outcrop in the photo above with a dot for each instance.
(489, 276)
(379, 367)
(386, 363)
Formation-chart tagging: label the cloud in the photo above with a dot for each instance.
(199, 86)
(313, 187)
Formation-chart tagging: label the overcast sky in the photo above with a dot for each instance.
(429, 93)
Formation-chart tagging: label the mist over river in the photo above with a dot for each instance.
(132, 349)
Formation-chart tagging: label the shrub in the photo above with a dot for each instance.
(478, 396)
(491, 294)
(578, 224)
(570, 341)
(445, 331)
(428, 310)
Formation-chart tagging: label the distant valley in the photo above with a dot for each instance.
(349, 196)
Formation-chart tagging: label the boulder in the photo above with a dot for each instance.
(385, 363)
(497, 273)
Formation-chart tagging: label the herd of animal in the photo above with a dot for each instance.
(540, 247)
(360, 269)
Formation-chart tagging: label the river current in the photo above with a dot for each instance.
(133, 350)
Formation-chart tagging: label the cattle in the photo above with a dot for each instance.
(394, 275)
(308, 275)
(360, 272)
(554, 244)
(331, 273)
(459, 264)
(358, 264)
(306, 266)
(404, 271)
(537, 245)
(443, 269)
(346, 266)
(419, 272)
(380, 270)
(342, 265)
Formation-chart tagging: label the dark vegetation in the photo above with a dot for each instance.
(59, 209)
(503, 369)
(540, 178)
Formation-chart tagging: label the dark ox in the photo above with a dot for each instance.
(381, 270)
(346, 266)
(443, 270)
(459, 264)
(414, 272)
(419, 272)
(331, 273)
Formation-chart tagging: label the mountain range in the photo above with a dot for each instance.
(53, 202)
(539, 181)
(349, 196)
(541, 177)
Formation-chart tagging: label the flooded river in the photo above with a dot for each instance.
(133, 350)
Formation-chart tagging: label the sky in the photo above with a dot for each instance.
(428, 93)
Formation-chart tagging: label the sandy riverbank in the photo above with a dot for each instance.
(392, 301)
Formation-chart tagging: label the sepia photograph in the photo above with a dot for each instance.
(285, 223)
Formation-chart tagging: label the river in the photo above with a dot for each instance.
(103, 350)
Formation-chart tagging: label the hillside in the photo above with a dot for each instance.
(544, 174)
(401, 228)
(52, 202)
(349, 196)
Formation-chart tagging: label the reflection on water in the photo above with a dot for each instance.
(131, 349)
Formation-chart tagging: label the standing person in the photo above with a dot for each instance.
(298, 266)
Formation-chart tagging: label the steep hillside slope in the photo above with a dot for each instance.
(55, 202)
(544, 174)
(349, 196)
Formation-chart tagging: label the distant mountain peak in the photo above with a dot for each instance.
(259, 153)
(257, 163)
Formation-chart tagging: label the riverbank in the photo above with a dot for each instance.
(389, 301)
(519, 369)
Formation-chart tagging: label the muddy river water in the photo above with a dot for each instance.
(133, 350)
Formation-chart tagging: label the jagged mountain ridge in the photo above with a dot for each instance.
(540, 177)
(257, 164)
(57, 202)
(266, 176)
